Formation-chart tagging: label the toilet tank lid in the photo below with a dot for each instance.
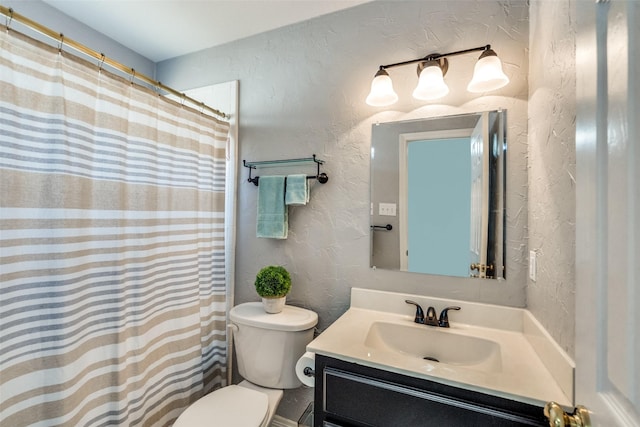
(289, 319)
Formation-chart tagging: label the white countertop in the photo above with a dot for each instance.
(532, 369)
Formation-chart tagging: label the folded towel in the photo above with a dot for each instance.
(272, 218)
(297, 192)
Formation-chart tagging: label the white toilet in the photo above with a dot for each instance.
(267, 349)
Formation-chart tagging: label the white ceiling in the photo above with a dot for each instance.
(163, 29)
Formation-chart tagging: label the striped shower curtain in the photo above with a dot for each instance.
(112, 298)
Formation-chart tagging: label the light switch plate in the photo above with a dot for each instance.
(532, 265)
(387, 209)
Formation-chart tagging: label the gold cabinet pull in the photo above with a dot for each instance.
(558, 418)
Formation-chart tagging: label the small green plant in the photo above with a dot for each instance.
(273, 281)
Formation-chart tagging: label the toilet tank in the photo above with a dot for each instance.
(269, 345)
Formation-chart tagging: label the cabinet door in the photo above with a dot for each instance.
(352, 395)
(365, 401)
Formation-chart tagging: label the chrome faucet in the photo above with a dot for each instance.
(431, 318)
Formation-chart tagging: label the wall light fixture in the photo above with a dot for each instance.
(487, 76)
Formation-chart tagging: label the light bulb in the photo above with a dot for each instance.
(431, 83)
(382, 93)
(487, 74)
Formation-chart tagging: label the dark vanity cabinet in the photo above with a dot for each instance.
(352, 395)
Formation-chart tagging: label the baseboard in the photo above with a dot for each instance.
(279, 421)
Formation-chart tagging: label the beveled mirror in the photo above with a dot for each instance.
(437, 195)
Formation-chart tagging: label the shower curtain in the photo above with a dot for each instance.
(112, 298)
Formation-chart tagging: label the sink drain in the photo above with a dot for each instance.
(433, 359)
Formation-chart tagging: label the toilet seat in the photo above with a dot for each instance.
(231, 406)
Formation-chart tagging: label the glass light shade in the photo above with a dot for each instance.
(382, 93)
(431, 83)
(487, 74)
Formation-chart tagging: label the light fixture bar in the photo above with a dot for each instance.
(436, 56)
(487, 76)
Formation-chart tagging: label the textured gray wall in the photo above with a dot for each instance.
(552, 165)
(302, 91)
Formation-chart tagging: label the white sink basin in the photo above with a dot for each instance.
(439, 345)
(502, 351)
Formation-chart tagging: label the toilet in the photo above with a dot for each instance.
(267, 349)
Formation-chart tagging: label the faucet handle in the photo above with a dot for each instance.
(443, 322)
(419, 312)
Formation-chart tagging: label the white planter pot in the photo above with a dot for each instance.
(273, 305)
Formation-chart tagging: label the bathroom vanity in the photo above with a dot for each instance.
(348, 394)
(494, 366)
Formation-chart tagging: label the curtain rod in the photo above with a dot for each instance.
(12, 15)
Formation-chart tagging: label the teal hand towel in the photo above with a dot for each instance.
(297, 192)
(272, 219)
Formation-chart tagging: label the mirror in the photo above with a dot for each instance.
(437, 195)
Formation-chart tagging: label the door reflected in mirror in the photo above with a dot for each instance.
(437, 194)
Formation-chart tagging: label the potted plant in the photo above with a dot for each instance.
(273, 283)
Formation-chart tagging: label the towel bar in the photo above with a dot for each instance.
(387, 227)
(320, 176)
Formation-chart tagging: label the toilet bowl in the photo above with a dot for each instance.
(267, 349)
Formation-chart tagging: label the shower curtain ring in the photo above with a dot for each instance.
(9, 19)
(61, 43)
(133, 75)
(101, 62)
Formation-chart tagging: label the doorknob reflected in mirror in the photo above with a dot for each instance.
(558, 418)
